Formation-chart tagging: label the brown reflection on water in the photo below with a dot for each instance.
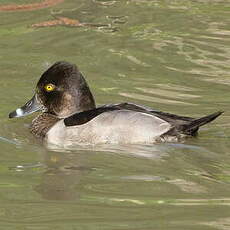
(62, 176)
(30, 6)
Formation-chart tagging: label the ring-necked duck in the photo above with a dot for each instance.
(69, 114)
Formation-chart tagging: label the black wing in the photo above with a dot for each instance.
(86, 116)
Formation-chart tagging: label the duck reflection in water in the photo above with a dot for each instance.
(63, 174)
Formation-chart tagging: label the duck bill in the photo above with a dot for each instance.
(31, 106)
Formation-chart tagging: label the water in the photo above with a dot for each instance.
(170, 55)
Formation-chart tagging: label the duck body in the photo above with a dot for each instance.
(69, 115)
(117, 127)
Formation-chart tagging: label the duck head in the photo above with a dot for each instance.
(61, 91)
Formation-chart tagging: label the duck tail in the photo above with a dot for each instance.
(192, 127)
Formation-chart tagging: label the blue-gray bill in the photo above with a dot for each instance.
(30, 107)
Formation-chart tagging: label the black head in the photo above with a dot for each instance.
(61, 91)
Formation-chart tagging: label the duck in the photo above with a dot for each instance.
(69, 115)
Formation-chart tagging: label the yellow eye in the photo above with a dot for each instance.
(49, 87)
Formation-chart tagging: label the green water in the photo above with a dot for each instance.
(172, 55)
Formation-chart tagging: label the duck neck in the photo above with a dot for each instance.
(42, 124)
(85, 100)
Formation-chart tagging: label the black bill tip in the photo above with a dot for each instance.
(16, 113)
(12, 114)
